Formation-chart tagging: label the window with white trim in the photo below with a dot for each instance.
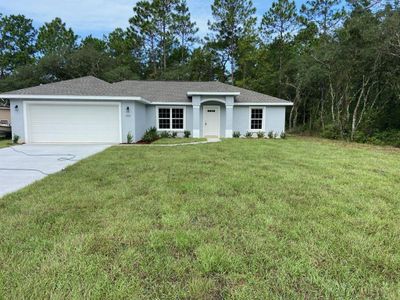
(170, 118)
(256, 118)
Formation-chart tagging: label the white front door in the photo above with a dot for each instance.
(211, 121)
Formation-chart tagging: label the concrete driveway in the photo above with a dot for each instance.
(24, 164)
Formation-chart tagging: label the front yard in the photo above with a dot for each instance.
(242, 219)
(5, 143)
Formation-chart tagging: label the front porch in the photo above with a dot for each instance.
(212, 116)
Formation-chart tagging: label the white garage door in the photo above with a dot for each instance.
(73, 122)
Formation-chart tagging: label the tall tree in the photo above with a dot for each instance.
(55, 37)
(279, 24)
(184, 29)
(326, 14)
(232, 21)
(17, 37)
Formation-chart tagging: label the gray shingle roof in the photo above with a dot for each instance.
(84, 86)
(153, 91)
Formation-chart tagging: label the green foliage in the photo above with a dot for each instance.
(270, 134)
(187, 133)
(331, 132)
(248, 135)
(283, 135)
(15, 139)
(174, 134)
(150, 135)
(165, 134)
(129, 138)
(17, 36)
(260, 134)
(236, 134)
(55, 38)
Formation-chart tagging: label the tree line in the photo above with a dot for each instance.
(339, 62)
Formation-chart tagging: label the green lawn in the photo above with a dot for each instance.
(168, 141)
(5, 143)
(241, 219)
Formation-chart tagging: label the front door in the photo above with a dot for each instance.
(211, 121)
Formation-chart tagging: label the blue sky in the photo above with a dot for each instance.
(98, 17)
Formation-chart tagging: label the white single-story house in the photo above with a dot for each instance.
(90, 110)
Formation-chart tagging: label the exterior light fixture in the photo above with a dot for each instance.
(16, 107)
(127, 109)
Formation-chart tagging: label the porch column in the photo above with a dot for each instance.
(229, 116)
(196, 116)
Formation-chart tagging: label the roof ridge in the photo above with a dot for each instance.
(188, 81)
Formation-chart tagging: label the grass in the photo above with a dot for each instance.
(169, 141)
(5, 143)
(241, 219)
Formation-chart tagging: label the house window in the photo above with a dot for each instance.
(256, 118)
(170, 118)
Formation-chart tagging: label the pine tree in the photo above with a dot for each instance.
(233, 20)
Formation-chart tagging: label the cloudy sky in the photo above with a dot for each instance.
(98, 17)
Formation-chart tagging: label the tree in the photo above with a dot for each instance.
(184, 29)
(279, 24)
(233, 20)
(54, 37)
(17, 37)
(326, 14)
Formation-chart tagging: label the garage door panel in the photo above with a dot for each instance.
(75, 122)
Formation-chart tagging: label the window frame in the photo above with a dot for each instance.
(262, 120)
(170, 118)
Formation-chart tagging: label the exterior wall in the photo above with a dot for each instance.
(127, 119)
(141, 117)
(17, 119)
(140, 121)
(5, 114)
(274, 119)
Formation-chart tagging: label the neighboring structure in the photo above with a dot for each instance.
(90, 110)
(5, 116)
(5, 122)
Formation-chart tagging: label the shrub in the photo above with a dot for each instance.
(187, 134)
(261, 134)
(275, 135)
(129, 138)
(15, 139)
(150, 135)
(248, 134)
(283, 135)
(174, 134)
(331, 132)
(270, 134)
(236, 134)
(165, 134)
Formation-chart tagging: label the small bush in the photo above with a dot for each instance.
(187, 134)
(248, 134)
(129, 138)
(150, 135)
(165, 134)
(275, 135)
(15, 139)
(261, 134)
(270, 134)
(331, 132)
(174, 134)
(236, 134)
(283, 135)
